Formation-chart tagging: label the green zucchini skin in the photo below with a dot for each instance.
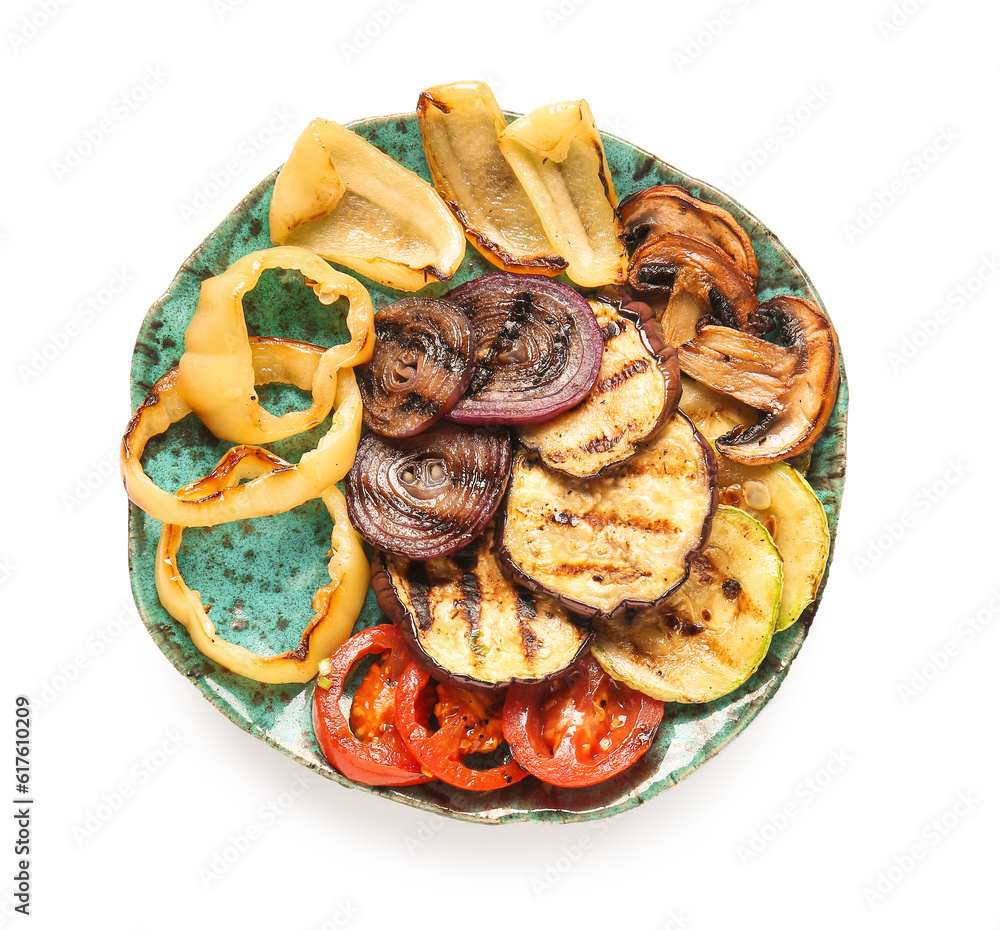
(711, 635)
(465, 622)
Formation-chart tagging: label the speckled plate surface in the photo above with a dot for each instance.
(259, 575)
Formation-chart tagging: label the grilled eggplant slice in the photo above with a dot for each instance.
(465, 622)
(709, 637)
(636, 390)
(782, 501)
(623, 539)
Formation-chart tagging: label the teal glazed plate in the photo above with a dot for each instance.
(259, 575)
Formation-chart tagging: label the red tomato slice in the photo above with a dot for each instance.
(580, 729)
(469, 722)
(369, 748)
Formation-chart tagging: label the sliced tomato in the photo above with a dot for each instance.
(444, 725)
(368, 748)
(581, 728)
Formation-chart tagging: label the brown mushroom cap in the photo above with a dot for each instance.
(793, 382)
(689, 278)
(667, 208)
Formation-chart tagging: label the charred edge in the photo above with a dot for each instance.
(633, 368)
(599, 572)
(416, 403)
(471, 605)
(426, 100)
(416, 579)
(526, 611)
(505, 339)
(681, 626)
(660, 276)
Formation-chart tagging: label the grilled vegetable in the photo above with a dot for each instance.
(782, 501)
(636, 390)
(557, 154)
(580, 729)
(538, 348)
(686, 279)
(667, 208)
(420, 367)
(709, 637)
(623, 539)
(426, 496)
(351, 203)
(792, 382)
(460, 125)
(467, 623)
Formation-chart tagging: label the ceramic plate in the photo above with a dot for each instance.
(259, 575)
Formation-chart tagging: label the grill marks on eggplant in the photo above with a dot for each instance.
(637, 388)
(465, 621)
(614, 541)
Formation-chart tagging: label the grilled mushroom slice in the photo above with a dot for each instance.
(685, 279)
(667, 208)
(467, 623)
(623, 539)
(708, 638)
(460, 125)
(636, 390)
(793, 382)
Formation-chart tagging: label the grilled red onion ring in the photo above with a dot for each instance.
(426, 496)
(538, 349)
(421, 365)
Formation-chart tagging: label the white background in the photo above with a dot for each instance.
(865, 134)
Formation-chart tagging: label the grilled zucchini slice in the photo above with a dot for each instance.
(707, 639)
(623, 539)
(781, 499)
(465, 622)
